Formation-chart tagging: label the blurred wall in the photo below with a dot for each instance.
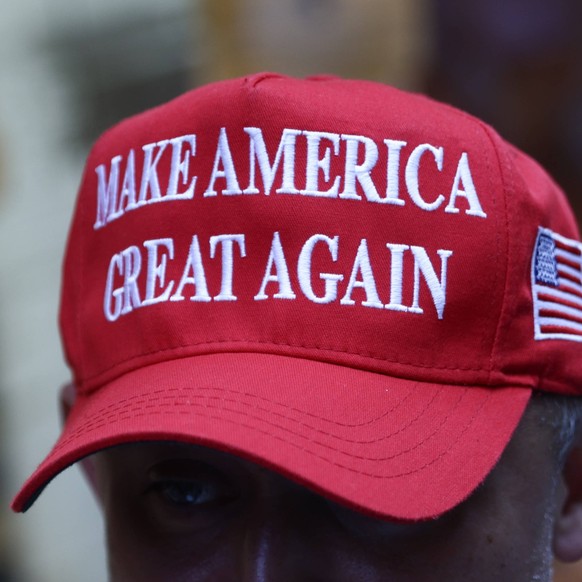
(518, 65)
(67, 70)
(371, 39)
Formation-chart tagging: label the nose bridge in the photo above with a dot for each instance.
(277, 545)
(262, 557)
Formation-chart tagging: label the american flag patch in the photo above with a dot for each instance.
(557, 287)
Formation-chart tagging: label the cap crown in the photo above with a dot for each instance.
(341, 221)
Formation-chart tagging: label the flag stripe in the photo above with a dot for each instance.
(568, 272)
(564, 243)
(556, 311)
(571, 326)
(570, 287)
(564, 295)
(557, 332)
(547, 298)
(568, 258)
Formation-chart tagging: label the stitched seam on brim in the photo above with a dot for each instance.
(313, 453)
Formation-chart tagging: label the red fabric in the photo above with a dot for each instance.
(386, 446)
(225, 371)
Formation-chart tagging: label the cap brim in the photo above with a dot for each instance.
(391, 447)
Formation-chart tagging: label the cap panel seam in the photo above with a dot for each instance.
(505, 197)
(489, 165)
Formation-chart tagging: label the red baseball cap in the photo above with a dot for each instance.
(355, 286)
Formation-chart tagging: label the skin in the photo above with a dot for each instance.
(191, 514)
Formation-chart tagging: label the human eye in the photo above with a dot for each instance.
(184, 493)
(188, 494)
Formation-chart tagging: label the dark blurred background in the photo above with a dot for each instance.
(69, 69)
